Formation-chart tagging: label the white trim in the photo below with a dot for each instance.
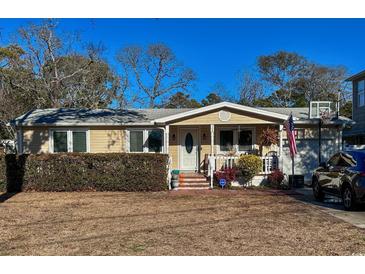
(212, 139)
(145, 138)
(222, 105)
(126, 140)
(69, 132)
(236, 130)
(81, 124)
(281, 140)
(167, 139)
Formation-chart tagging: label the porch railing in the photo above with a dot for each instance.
(218, 162)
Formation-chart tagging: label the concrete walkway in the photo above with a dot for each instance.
(334, 207)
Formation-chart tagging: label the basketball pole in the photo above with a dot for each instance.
(319, 141)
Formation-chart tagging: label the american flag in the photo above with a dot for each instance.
(289, 126)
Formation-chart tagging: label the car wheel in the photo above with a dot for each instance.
(348, 198)
(317, 191)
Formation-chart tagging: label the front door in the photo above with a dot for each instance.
(189, 149)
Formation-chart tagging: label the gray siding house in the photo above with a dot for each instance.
(356, 136)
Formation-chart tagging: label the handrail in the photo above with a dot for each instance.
(227, 161)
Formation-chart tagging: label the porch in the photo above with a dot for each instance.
(205, 149)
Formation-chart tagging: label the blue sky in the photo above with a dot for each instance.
(216, 49)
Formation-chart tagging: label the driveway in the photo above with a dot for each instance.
(333, 206)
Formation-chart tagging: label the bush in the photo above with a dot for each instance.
(249, 165)
(275, 178)
(87, 172)
(228, 174)
(2, 173)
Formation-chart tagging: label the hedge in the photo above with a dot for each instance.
(2, 172)
(86, 172)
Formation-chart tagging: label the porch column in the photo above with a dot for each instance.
(167, 139)
(211, 139)
(280, 140)
(211, 164)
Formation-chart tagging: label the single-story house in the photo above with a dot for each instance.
(197, 140)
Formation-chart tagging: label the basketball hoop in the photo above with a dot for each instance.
(325, 115)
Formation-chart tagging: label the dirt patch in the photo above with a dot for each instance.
(242, 222)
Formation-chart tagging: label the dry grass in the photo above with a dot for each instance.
(169, 223)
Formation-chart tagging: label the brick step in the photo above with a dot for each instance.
(192, 188)
(191, 175)
(194, 184)
(192, 179)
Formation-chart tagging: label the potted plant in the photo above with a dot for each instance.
(175, 178)
(268, 137)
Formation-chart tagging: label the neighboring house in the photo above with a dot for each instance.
(193, 138)
(356, 136)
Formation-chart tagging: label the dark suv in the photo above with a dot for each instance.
(342, 176)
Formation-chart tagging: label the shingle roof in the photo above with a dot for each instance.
(72, 116)
(83, 117)
(300, 113)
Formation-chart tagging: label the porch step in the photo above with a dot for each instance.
(192, 188)
(192, 181)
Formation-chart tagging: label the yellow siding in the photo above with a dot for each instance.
(106, 139)
(204, 144)
(35, 140)
(174, 146)
(236, 118)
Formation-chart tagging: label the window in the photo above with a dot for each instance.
(69, 140)
(333, 161)
(361, 93)
(238, 140)
(136, 141)
(141, 140)
(245, 140)
(79, 141)
(154, 141)
(60, 141)
(226, 140)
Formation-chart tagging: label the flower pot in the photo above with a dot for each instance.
(175, 183)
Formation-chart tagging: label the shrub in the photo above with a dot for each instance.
(2, 173)
(275, 178)
(88, 172)
(228, 174)
(249, 165)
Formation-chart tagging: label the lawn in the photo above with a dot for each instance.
(243, 222)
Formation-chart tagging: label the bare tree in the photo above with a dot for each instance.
(62, 73)
(321, 82)
(250, 89)
(155, 72)
(47, 72)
